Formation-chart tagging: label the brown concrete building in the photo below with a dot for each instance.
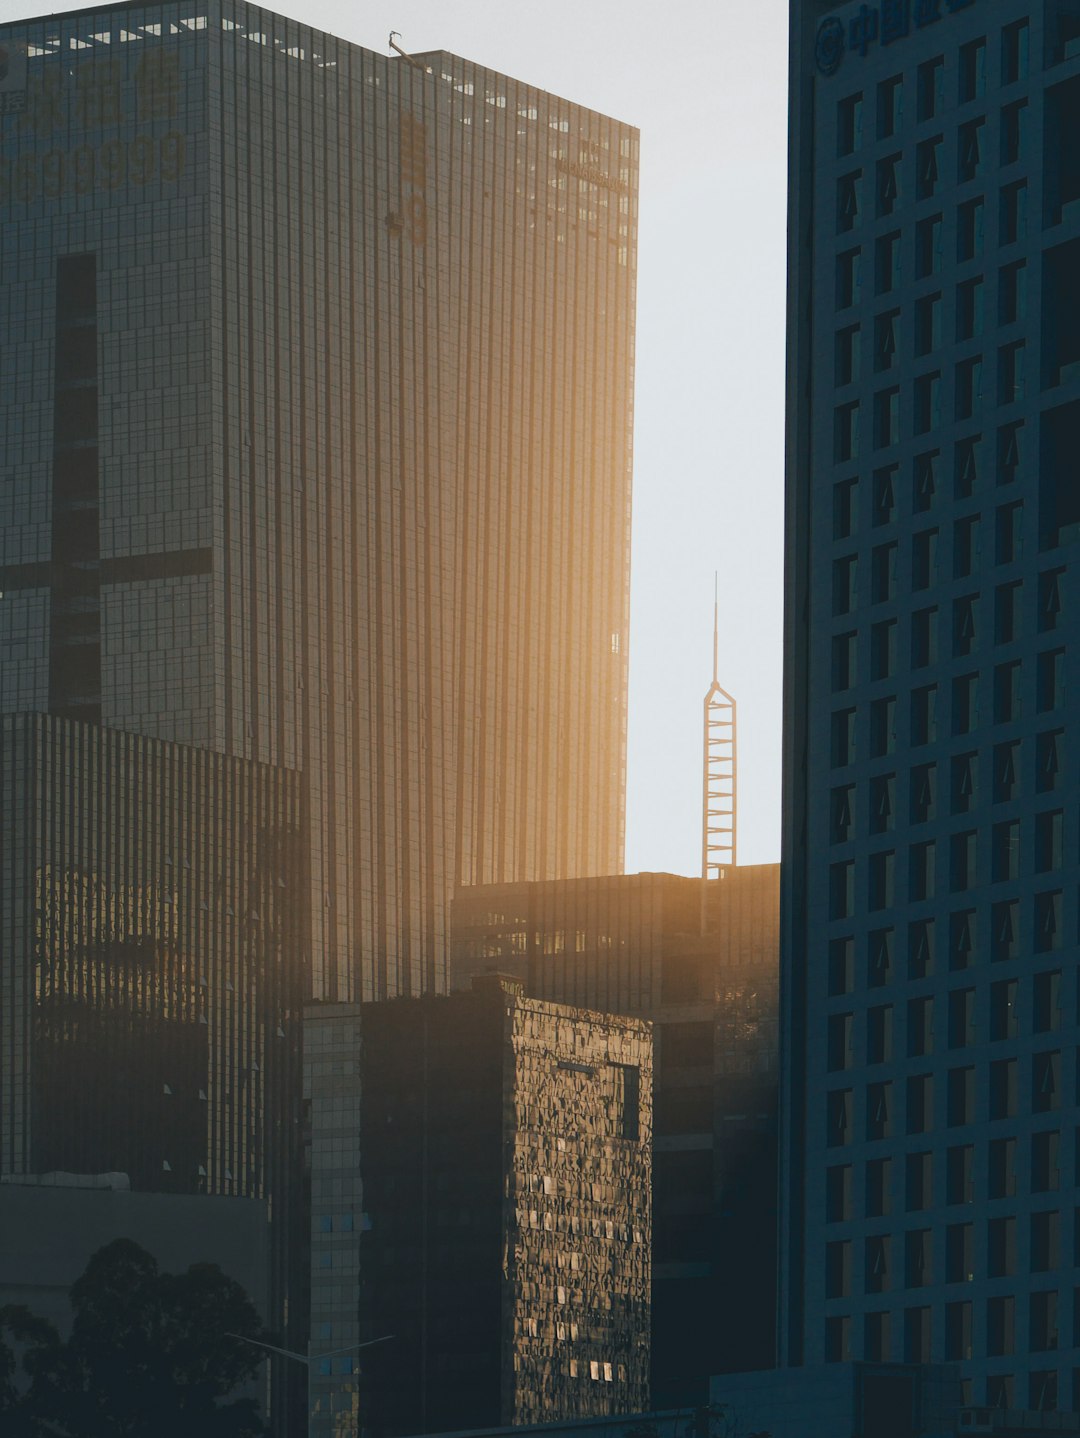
(480, 1191)
(699, 959)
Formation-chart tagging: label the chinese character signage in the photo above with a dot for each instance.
(883, 24)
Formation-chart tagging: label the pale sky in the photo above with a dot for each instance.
(705, 81)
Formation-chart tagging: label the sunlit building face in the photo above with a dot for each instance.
(318, 414)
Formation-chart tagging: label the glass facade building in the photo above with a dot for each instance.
(316, 394)
(931, 1016)
(152, 970)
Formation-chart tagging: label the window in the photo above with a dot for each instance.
(960, 1096)
(957, 1331)
(1005, 929)
(927, 402)
(847, 432)
(921, 949)
(1045, 1162)
(845, 508)
(1049, 837)
(959, 1253)
(1001, 1337)
(879, 958)
(1045, 1082)
(881, 873)
(889, 190)
(887, 263)
(1007, 692)
(841, 890)
(838, 1117)
(924, 637)
(920, 1097)
(921, 860)
(844, 586)
(965, 546)
(930, 83)
(927, 324)
(1005, 756)
(1045, 1242)
(1001, 1247)
(878, 1111)
(890, 99)
(920, 1034)
(1014, 208)
(882, 803)
(848, 199)
(879, 1041)
(967, 464)
(843, 738)
(968, 386)
(972, 74)
(884, 511)
(1012, 292)
(923, 793)
(1001, 1168)
(849, 124)
(1006, 850)
(886, 418)
(1048, 761)
(927, 167)
(848, 279)
(965, 611)
(877, 1188)
(960, 1174)
(971, 149)
(885, 340)
(918, 1182)
(841, 810)
(882, 727)
(924, 559)
(844, 661)
(1049, 599)
(964, 782)
(918, 1251)
(847, 355)
(924, 486)
(965, 703)
(1014, 52)
(928, 246)
(1003, 1089)
(838, 1189)
(1006, 612)
(963, 861)
(969, 309)
(1050, 680)
(840, 1049)
(1011, 372)
(924, 715)
(841, 966)
(1013, 131)
(969, 237)
(1003, 1020)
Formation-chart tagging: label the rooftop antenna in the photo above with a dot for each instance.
(718, 799)
(395, 35)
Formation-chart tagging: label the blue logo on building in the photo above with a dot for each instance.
(830, 46)
(880, 23)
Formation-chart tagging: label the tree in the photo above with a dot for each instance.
(28, 1333)
(149, 1355)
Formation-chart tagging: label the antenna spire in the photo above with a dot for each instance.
(719, 777)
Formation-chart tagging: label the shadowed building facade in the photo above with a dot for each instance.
(152, 970)
(699, 959)
(316, 397)
(480, 1191)
(929, 908)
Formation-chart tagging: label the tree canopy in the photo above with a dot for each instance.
(149, 1355)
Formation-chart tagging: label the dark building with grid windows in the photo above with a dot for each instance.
(316, 403)
(480, 1191)
(929, 903)
(699, 960)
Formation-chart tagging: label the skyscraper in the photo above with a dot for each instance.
(316, 397)
(929, 921)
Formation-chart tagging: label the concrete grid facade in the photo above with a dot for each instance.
(487, 1155)
(932, 838)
